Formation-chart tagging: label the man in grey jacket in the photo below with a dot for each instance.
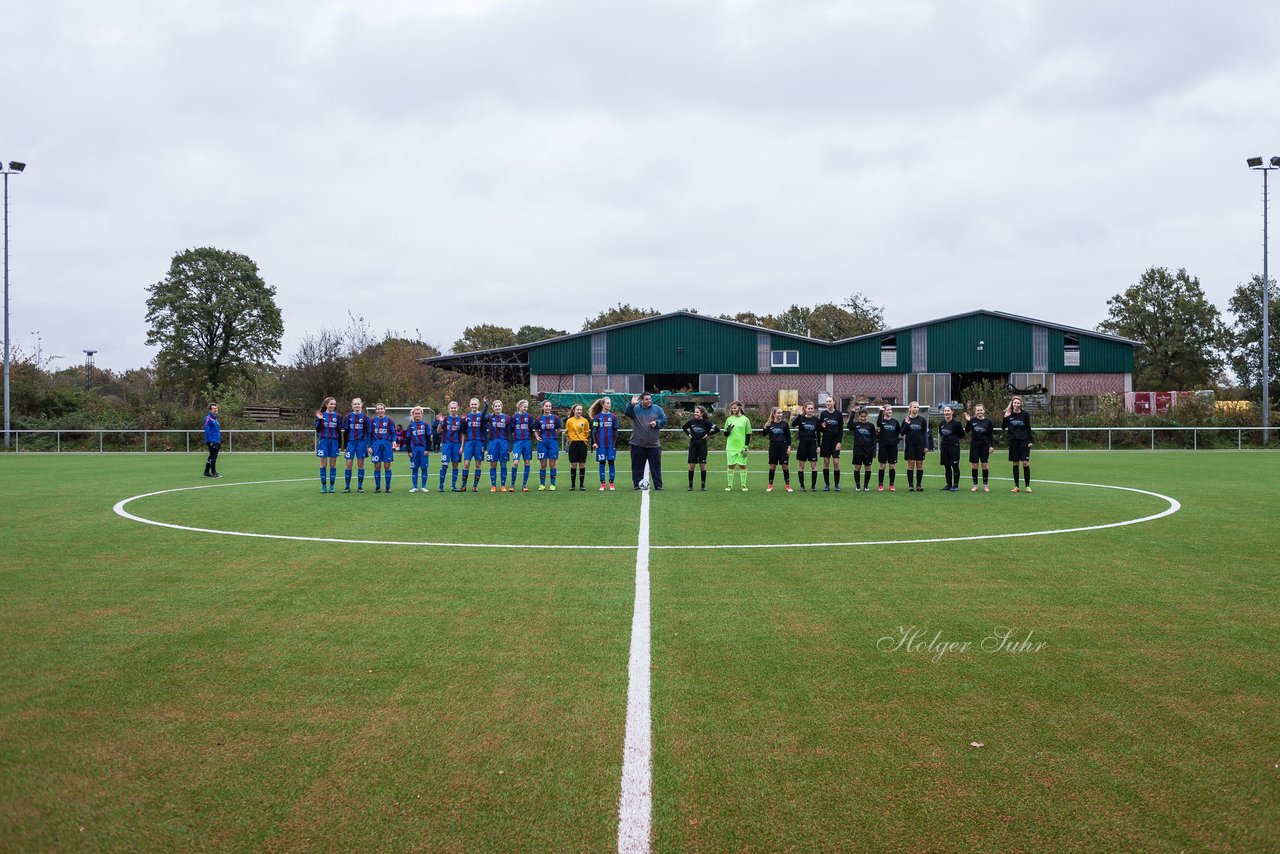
(646, 421)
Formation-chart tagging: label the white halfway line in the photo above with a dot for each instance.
(635, 804)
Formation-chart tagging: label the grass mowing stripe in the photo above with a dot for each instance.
(635, 805)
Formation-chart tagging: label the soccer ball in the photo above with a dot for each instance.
(644, 484)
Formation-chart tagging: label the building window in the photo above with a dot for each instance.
(888, 351)
(931, 390)
(625, 383)
(1033, 380)
(599, 353)
(764, 346)
(1039, 349)
(1071, 350)
(919, 350)
(721, 384)
(599, 383)
(784, 359)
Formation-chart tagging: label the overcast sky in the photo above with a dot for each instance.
(432, 164)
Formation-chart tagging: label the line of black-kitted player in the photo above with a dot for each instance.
(821, 434)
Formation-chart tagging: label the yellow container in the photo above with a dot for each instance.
(787, 398)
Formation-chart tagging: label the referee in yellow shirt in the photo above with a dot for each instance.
(578, 433)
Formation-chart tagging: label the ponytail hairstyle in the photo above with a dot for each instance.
(597, 406)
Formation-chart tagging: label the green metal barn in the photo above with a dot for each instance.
(931, 362)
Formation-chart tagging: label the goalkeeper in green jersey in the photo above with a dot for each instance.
(737, 432)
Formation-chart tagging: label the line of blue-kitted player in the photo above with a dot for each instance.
(511, 441)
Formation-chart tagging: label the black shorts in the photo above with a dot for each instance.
(949, 455)
(979, 453)
(913, 452)
(1019, 451)
(779, 454)
(807, 451)
(888, 454)
(698, 452)
(863, 455)
(577, 452)
(827, 447)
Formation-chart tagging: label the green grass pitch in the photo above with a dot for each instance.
(171, 689)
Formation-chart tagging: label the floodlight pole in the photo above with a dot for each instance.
(1266, 326)
(88, 368)
(1257, 164)
(6, 305)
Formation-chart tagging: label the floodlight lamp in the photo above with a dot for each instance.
(1275, 163)
(17, 166)
(1254, 162)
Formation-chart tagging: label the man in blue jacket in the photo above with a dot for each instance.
(212, 441)
(646, 422)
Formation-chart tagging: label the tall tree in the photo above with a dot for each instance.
(831, 322)
(765, 321)
(1246, 352)
(213, 318)
(484, 336)
(319, 368)
(1181, 333)
(620, 313)
(528, 334)
(869, 317)
(391, 371)
(794, 320)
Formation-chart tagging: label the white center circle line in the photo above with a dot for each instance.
(119, 509)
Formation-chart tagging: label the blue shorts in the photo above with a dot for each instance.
(451, 452)
(549, 450)
(498, 451)
(473, 450)
(357, 450)
(522, 449)
(382, 452)
(603, 454)
(327, 449)
(419, 459)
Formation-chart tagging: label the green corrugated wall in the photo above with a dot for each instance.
(716, 348)
(655, 348)
(571, 356)
(953, 345)
(1097, 355)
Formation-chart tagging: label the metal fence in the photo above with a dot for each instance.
(274, 441)
(160, 441)
(1153, 438)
